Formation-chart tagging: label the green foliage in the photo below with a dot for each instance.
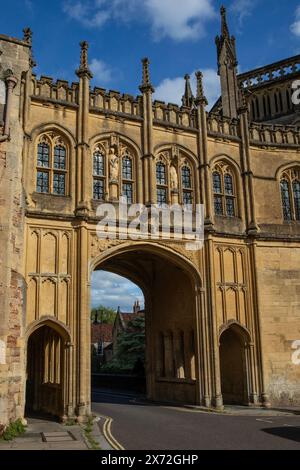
(14, 430)
(105, 314)
(130, 354)
(88, 430)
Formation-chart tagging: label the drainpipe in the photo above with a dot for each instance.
(11, 82)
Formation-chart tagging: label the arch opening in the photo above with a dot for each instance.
(45, 378)
(233, 365)
(170, 311)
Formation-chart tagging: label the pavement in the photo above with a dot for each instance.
(42, 434)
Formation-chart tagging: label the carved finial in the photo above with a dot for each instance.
(84, 62)
(225, 30)
(225, 39)
(146, 85)
(27, 36)
(146, 71)
(188, 97)
(200, 89)
(84, 54)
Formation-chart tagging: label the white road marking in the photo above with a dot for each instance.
(265, 421)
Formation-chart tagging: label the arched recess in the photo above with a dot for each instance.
(236, 171)
(170, 283)
(31, 154)
(180, 157)
(122, 145)
(48, 344)
(288, 177)
(235, 364)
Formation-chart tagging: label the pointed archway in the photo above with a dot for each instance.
(169, 283)
(233, 365)
(46, 369)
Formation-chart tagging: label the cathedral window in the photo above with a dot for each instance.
(224, 191)
(161, 181)
(290, 194)
(51, 166)
(99, 175)
(186, 181)
(127, 177)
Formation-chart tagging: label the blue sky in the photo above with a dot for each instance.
(114, 291)
(177, 35)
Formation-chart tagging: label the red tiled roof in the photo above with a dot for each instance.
(127, 317)
(102, 332)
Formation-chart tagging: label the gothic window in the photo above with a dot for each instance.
(224, 191)
(52, 166)
(290, 194)
(161, 182)
(186, 181)
(99, 175)
(127, 177)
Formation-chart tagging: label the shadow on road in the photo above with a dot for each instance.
(287, 432)
(119, 397)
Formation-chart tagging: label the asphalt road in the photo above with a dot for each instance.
(139, 426)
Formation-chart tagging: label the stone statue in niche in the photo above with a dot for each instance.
(173, 178)
(113, 165)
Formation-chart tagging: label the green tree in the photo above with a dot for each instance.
(105, 314)
(130, 354)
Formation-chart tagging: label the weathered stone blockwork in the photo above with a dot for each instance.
(239, 293)
(14, 61)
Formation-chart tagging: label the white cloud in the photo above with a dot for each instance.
(179, 19)
(176, 19)
(172, 89)
(84, 13)
(114, 291)
(243, 8)
(295, 27)
(101, 71)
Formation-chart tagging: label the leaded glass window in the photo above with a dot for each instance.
(59, 184)
(230, 210)
(186, 178)
(59, 158)
(217, 183)
(218, 205)
(187, 198)
(161, 180)
(99, 191)
(228, 184)
(42, 185)
(127, 177)
(161, 196)
(161, 174)
(99, 165)
(43, 160)
(296, 190)
(52, 165)
(128, 192)
(127, 168)
(224, 191)
(286, 202)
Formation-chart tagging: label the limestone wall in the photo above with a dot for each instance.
(279, 305)
(15, 56)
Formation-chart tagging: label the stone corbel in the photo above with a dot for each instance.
(11, 82)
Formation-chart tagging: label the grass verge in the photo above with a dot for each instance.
(88, 429)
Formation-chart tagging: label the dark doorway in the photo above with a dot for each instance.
(44, 386)
(233, 368)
